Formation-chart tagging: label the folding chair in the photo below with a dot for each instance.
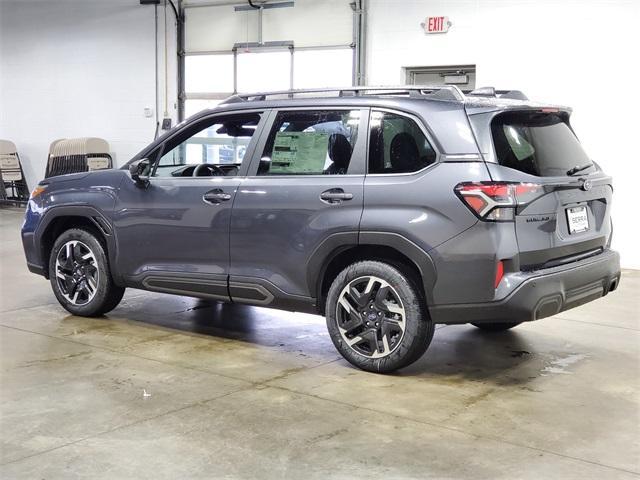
(14, 185)
(73, 155)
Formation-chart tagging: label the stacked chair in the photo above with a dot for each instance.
(73, 155)
(13, 185)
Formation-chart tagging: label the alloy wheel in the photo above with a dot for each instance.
(77, 272)
(371, 317)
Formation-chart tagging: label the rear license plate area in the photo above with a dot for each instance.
(577, 219)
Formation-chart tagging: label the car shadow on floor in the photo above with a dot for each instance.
(303, 333)
(463, 352)
(457, 353)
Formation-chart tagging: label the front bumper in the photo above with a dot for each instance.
(545, 293)
(32, 251)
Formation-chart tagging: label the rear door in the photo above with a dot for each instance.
(304, 190)
(567, 217)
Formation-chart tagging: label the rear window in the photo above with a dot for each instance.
(539, 144)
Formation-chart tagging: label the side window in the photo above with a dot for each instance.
(220, 141)
(397, 145)
(310, 143)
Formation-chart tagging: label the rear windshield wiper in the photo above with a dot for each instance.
(576, 169)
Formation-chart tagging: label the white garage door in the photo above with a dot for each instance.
(222, 57)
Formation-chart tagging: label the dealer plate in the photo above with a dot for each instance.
(578, 219)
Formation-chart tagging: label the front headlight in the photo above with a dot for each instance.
(37, 191)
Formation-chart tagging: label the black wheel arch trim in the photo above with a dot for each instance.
(95, 216)
(409, 249)
(339, 242)
(323, 255)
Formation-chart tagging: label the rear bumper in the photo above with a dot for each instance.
(544, 293)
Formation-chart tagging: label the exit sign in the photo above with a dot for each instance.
(436, 25)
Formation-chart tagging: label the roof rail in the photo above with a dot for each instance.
(438, 92)
(448, 92)
(492, 92)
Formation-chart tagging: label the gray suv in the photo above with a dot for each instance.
(388, 210)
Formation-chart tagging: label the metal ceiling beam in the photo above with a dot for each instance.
(281, 45)
(229, 3)
(265, 6)
(226, 3)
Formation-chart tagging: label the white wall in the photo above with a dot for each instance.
(79, 68)
(71, 68)
(579, 53)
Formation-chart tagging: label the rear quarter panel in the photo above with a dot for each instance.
(422, 207)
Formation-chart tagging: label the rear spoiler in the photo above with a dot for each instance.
(488, 99)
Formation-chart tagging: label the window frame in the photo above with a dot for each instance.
(359, 155)
(423, 128)
(198, 124)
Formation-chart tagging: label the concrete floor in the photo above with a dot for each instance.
(172, 387)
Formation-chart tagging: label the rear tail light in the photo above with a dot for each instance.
(499, 273)
(497, 201)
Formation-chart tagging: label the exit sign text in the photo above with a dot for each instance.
(436, 24)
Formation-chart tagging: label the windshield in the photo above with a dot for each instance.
(539, 144)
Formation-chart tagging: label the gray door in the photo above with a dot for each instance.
(305, 187)
(174, 235)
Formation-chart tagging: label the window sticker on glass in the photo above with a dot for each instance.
(299, 152)
(310, 143)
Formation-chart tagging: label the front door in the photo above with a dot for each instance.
(305, 188)
(173, 236)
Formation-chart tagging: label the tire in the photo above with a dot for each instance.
(80, 276)
(496, 327)
(399, 329)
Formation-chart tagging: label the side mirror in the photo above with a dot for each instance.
(139, 171)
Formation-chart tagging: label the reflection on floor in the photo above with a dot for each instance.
(173, 387)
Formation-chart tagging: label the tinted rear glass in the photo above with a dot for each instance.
(540, 144)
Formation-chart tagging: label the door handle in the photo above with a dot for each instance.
(216, 195)
(335, 195)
